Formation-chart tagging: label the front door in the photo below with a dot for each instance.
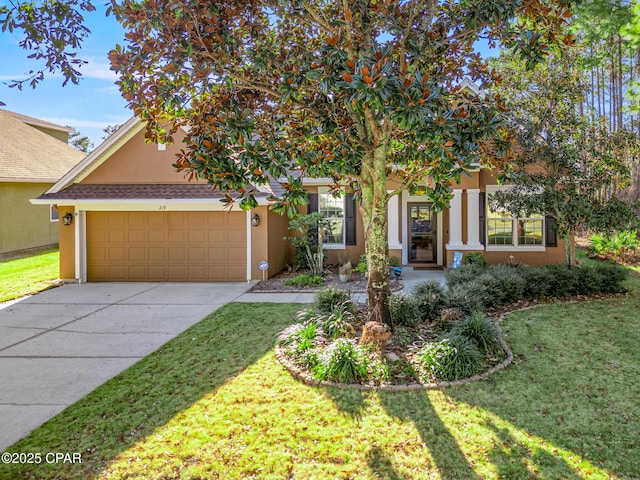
(422, 233)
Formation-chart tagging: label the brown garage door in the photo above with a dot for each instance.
(166, 246)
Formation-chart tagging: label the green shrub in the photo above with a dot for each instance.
(482, 330)
(327, 299)
(449, 359)
(431, 299)
(470, 296)
(305, 280)
(608, 277)
(504, 284)
(619, 244)
(475, 258)
(362, 266)
(464, 274)
(537, 282)
(339, 321)
(343, 361)
(395, 262)
(563, 281)
(405, 310)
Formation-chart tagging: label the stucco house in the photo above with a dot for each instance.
(34, 155)
(134, 218)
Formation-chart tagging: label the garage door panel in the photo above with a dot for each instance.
(176, 236)
(157, 254)
(197, 236)
(235, 236)
(117, 254)
(166, 246)
(137, 236)
(137, 254)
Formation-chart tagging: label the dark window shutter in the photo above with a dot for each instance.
(549, 232)
(350, 219)
(483, 217)
(312, 206)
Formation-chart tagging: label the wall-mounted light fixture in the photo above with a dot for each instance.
(67, 219)
(255, 220)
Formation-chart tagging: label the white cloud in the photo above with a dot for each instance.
(98, 69)
(79, 123)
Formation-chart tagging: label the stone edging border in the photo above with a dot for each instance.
(307, 379)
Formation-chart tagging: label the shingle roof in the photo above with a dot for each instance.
(36, 121)
(80, 191)
(29, 154)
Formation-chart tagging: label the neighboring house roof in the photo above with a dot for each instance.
(36, 122)
(27, 154)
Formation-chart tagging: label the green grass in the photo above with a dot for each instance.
(214, 403)
(24, 276)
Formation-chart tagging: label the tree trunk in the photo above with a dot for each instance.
(374, 216)
(569, 250)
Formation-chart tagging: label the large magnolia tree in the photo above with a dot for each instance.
(356, 91)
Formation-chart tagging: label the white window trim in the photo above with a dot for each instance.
(334, 246)
(511, 248)
(52, 209)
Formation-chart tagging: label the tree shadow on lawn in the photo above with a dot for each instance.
(573, 387)
(129, 407)
(416, 406)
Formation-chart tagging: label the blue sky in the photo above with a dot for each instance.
(87, 107)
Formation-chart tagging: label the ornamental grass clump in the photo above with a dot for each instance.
(327, 299)
(339, 322)
(483, 331)
(343, 361)
(451, 358)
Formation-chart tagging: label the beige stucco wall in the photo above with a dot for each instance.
(23, 225)
(139, 162)
(67, 245)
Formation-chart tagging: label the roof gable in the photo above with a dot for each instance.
(28, 154)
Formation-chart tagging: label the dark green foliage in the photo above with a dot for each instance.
(475, 258)
(607, 278)
(536, 282)
(563, 281)
(343, 361)
(405, 310)
(482, 330)
(504, 284)
(431, 299)
(463, 274)
(449, 359)
(470, 296)
(305, 280)
(327, 299)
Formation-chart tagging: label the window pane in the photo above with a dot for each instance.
(530, 232)
(500, 232)
(500, 213)
(331, 207)
(333, 231)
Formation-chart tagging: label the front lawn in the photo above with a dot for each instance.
(28, 275)
(214, 403)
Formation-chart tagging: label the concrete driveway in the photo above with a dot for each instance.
(59, 345)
